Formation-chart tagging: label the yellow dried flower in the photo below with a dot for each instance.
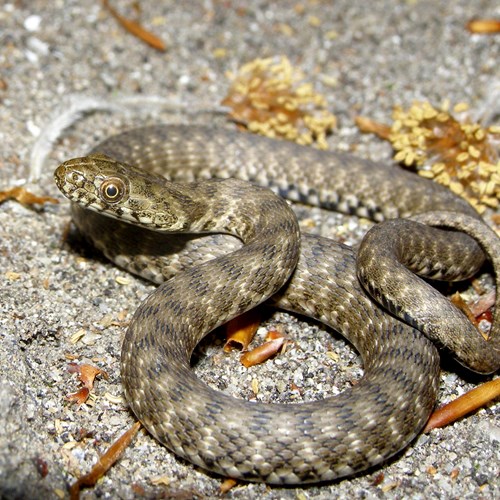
(461, 155)
(269, 96)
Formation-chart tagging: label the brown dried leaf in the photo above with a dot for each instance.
(467, 403)
(262, 353)
(240, 331)
(484, 26)
(105, 462)
(23, 196)
(136, 29)
(86, 373)
(79, 397)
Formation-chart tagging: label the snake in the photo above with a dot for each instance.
(201, 211)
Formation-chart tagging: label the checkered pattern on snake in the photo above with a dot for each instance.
(129, 215)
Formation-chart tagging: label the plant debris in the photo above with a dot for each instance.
(136, 29)
(23, 196)
(269, 97)
(484, 26)
(227, 485)
(449, 149)
(467, 403)
(105, 462)
(275, 342)
(241, 330)
(86, 375)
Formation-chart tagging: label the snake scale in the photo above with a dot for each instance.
(130, 215)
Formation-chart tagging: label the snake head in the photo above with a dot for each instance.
(102, 184)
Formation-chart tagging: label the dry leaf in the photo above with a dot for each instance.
(86, 373)
(80, 397)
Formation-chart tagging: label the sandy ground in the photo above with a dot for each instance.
(365, 57)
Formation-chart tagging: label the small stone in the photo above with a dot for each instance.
(32, 23)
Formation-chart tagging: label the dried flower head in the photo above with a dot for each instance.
(451, 150)
(269, 97)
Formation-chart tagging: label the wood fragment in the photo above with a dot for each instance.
(241, 330)
(23, 196)
(227, 485)
(105, 462)
(432, 470)
(390, 486)
(467, 403)
(136, 29)
(484, 26)
(163, 480)
(262, 353)
(369, 126)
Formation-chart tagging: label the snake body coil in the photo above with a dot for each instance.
(220, 278)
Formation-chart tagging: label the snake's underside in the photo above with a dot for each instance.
(130, 215)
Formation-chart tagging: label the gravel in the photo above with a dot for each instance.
(62, 302)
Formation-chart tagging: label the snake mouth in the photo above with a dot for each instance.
(59, 176)
(70, 173)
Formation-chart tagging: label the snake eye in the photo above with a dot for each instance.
(112, 190)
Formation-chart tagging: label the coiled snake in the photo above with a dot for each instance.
(128, 214)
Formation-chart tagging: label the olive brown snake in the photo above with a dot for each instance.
(220, 278)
